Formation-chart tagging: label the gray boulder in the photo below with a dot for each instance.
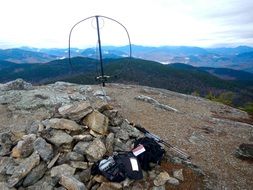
(109, 143)
(71, 183)
(132, 131)
(4, 186)
(80, 147)
(35, 175)
(83, 175)
(24, 148)
(45, 150)
(56, 137)
(7, 165)
(123, 135)
(120, 145)
(46, 183)
(5, 143)
(79, 165)
(23, 169)
(77, 97)
(63, 169)
(74, 156)
(173, 181)
(35, 127)
(96, 150)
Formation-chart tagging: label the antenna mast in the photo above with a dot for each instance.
(102, 78)
(100, 53)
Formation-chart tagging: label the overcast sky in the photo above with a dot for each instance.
(205, 23)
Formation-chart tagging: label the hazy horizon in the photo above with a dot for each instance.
(46, 24)
(117, 46)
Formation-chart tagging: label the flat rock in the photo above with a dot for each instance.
(63, 169)
(178, 174)
(95, 134)
(97, 122)
(57, 137)
(83, 137)
(110, 186)
(35, 175)
(122, 134)
(71, 183)
(100, 178)
(7, 165)
(102, 95)
(79, 164)
(99, 93)
(75, 111)
(18, 84)
(74, 156)
(120, 145)
(80, 147)
(161, 179)
(45, 150)
(77, 97)
(35, 127)
(162, 187)
(173, 181)
(60, 188)
(83, 175)
(4, 186)
(105, 107)
(46, 183)
(64, 124)
(24, 168)
(24, 148)
(96, 150)
(41, 100)
(132, 131)
(155, 103)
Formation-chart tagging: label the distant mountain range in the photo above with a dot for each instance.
(239, 58)
(23, 56)
(177, 77)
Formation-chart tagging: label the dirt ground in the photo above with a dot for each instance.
(210, 132)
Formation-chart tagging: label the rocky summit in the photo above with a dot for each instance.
(51, 135)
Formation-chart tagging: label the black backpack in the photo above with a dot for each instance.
(118, 167)
(153, 152)
(131, 164)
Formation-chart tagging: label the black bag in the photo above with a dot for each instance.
(131, 165)
(153, 152)
(116, 168)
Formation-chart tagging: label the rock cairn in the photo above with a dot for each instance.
(57, 153)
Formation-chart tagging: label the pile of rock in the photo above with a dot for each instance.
(58, 153)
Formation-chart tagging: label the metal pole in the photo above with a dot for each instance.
(100, 52)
